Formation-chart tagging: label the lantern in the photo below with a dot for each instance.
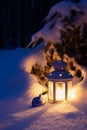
(59, 83)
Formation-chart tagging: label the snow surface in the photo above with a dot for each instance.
(17, 89)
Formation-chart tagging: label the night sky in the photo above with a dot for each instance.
(20, 19)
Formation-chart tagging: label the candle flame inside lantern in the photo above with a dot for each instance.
(60, 91)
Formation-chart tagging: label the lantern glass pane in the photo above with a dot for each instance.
(70, 94)
(60, 91)
(50, 90)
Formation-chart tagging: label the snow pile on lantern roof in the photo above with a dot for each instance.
(60, 74)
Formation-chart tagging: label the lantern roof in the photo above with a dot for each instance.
(59, 65)
(59, 74)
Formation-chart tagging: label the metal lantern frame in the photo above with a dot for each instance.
(57, 77)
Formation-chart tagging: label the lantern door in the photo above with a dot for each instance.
(60, 91)
(50, 91)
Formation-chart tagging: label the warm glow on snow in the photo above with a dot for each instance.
(72, 94)
(18, 87)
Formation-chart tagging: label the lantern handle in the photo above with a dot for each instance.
(40, 95)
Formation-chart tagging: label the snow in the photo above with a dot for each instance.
(17, 89)
(62, 8)
(55, 21)
(18, 86)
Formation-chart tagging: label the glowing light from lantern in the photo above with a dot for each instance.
(57, 92)
(50, 94)
(60, 91)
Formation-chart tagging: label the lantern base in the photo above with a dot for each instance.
(56, 101)
(51, 101)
